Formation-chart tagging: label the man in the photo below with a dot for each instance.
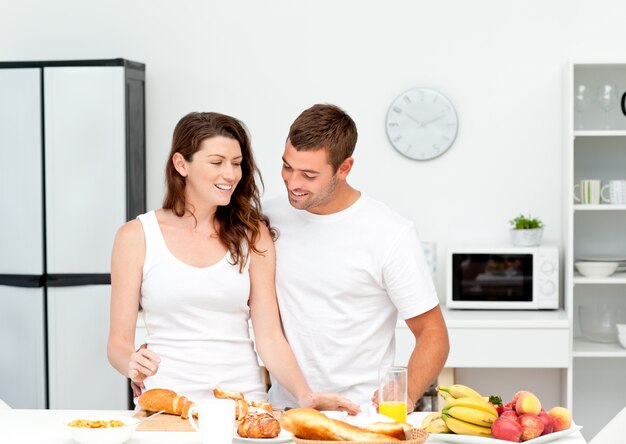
(347, 266)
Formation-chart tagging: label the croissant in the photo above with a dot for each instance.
(261, 405)
(259, 425)
(224, 394)
(241, 405)
(311, 424)
(155, 400)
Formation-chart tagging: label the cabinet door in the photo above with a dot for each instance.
(80, 374)
(85, 140)
(22, 347)
(21, 229)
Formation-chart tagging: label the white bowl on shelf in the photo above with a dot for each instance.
(596, 269)
(621, 334)
(598, 321)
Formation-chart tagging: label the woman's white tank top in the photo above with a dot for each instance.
(197, 323)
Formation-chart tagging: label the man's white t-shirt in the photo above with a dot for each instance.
(342, 280)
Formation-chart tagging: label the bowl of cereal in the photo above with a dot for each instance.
(103, 429)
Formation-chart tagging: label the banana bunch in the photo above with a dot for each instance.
(470, 416)
(451, 392)
(434, 423)
(467, 412)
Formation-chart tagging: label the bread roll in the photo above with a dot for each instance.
(259, 425)
(311, 424)
(155, 400)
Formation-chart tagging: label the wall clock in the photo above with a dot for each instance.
(422, 124)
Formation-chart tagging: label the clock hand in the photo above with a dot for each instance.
(414, 119)
(433, 120)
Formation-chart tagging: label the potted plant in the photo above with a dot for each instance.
(526, 231)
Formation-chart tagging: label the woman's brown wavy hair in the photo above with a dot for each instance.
(239, 220)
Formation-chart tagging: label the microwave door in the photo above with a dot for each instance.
(492, 278)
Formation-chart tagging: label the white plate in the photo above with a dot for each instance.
(601, 259)
(466, 439)
(283, 436)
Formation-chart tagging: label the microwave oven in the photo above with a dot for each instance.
(503, 278)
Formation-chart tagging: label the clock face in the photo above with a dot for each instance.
(422, 124)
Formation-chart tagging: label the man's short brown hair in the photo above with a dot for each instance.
(328, 127)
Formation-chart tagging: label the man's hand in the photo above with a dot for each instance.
(410, 404)
(329, 401)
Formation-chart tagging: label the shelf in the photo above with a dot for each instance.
(599, 207)
(616, 278)
(584, 348)
(600, 133)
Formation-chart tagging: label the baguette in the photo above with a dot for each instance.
(400, 430)
(310, 424)
(155, 400)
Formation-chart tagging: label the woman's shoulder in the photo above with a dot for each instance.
(130, 231)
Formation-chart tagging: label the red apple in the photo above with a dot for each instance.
(528, 403)
(562, 418)
(548, 422)
(510, 414)
(532, 426)
(506, 429)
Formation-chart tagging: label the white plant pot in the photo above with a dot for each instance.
(527, 238)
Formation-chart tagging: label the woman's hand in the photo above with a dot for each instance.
(143, 363)
(329, 401)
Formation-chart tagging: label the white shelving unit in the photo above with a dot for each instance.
(595, 148)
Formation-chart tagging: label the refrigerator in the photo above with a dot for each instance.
(72, 171)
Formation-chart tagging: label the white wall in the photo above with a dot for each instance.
(500, 62)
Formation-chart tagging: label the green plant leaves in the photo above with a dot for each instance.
(522, 222)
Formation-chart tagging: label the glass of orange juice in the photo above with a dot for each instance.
(392, 392)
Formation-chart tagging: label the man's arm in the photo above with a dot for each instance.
(430, 352)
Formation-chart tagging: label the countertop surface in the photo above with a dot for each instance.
(503, 319)
(614, 432)
(49, 426)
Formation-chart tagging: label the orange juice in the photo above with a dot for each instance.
(396, 410)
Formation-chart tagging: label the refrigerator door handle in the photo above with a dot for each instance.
(76, 279)
(23, 280)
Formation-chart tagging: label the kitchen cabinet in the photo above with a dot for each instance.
(595, 148)
(502, 351)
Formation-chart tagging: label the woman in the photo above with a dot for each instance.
(201, 266)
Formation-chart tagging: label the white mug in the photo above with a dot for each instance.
(589, 192)
(216, 420)
(617, 192)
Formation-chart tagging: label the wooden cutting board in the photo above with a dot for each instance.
(170, 423)
(163, 423)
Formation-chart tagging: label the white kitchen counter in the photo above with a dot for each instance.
(614, 432)
(517, 338)
(48, 426)
(506, 319)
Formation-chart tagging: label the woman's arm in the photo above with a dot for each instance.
(271, 344)
(126, 275)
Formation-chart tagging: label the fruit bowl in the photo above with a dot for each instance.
(596, 269)
(598, 321)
